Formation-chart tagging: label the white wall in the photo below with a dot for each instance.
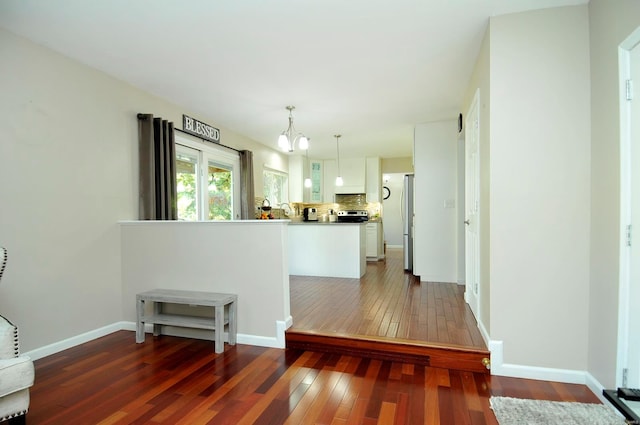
(540, 187)
(68, 173)
(247, 258)
(611, 22)
(435, 230)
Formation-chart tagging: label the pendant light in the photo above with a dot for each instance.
(339, 181)
(307, 181)
(290, 136)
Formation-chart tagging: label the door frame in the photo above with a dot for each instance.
(471, 296)
(625, 284)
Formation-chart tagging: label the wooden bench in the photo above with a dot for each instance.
(193, 298)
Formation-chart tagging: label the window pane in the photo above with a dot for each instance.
(276, 187)
(186, 177)
(220, 200)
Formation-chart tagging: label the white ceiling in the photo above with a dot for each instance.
(367, 69)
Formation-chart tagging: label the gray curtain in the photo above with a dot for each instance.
(157, 150)
(247, 196)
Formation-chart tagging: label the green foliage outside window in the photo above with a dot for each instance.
(219, 194)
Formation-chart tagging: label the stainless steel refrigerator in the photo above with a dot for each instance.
(407, 221)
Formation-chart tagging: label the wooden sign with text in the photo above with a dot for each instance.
(200, 129)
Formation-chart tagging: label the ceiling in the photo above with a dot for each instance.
(367, 69)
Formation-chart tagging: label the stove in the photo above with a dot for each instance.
(353, 216)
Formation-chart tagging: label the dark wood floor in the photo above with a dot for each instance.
(389, 311)
(385, 302)
(171, 380)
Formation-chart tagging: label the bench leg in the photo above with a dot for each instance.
(139, 323)
(233, 323)
(219, 324)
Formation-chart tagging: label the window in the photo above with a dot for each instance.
(187, 182)
(206, 192)
(276, 187)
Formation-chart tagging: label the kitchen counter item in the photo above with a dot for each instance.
(310, 214)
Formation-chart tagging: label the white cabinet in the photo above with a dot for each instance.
(375, 242)
(301, 168)
(329, 180)
(353, 172)
(360, 175)
(297, 172)
(374, 179)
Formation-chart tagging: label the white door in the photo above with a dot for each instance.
(629, 346)
(472, 205)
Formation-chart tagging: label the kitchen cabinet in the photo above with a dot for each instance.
(374, 179)
(353, 172)
(375, 241)
(301, 168)
(298, 171)
(313, 250)
(360, 175)
(329, 179)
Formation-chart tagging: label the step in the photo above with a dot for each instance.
(393, 349)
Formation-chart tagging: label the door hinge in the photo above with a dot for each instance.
(628, 235)
(629, 89)
(625, 376)
(475, 288)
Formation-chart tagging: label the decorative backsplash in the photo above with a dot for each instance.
(356, 201)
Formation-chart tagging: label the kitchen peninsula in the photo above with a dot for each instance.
(327, 249)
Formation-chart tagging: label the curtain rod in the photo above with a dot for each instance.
(205, 140)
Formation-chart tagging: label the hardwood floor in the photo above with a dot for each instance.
(171, 380)
(388, 312)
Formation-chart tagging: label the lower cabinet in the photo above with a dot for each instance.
(375, 243)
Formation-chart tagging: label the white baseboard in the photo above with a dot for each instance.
(395, 246)
(596, 387)
(498, 367)
(56, 347)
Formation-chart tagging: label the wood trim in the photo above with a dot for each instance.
(393, 349)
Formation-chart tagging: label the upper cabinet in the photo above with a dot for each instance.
(374, 179)
(329, 179)
(298, 171)
(353, 172)
(360, 175)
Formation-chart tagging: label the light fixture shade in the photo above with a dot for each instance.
(290, 136)
(283, 142)
(339, 181)
(307, 182)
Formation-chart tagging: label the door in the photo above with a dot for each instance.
(629, 345)
(472, 205)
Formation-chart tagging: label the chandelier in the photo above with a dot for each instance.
(289, 137)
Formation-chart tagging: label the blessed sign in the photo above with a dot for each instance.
(200, 129)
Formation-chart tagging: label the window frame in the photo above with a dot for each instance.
(220, 156)
(285, 188)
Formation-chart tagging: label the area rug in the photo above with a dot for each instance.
(518, 411)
